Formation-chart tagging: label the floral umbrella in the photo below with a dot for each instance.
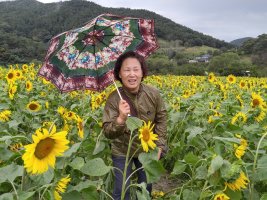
(84, 58)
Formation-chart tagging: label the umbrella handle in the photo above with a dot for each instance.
(117, 89)
(119, 93)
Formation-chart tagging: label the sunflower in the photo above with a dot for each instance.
(186, 94)
(242, 84)
(241, 149)
(157, 194)
(240, 115)
(42, 152)
(147, 136)
(25, 67)
(61, 110)
(70, 115)
(261, 116)
(34, 106)
(240, 100)
(11, 76)
(12, 90)
(18, 74)
(15, 147)
(50, 126)
(45, 81)
(5, 115)
(231, 79)
(211, 77)
(61, 187)
(257, 100)
(240, 183)
(80, 126)
(221, 196)
(43, 94)
(210, 119)
(28, 86)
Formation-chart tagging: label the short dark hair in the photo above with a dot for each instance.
(124, 56)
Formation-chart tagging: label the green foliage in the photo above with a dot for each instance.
(26, 26)
(258, 48)
(229, 63)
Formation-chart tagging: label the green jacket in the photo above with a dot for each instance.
(150, 107)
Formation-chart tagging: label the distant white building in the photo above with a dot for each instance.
(203, 58)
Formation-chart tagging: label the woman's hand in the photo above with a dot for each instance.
(124, 110)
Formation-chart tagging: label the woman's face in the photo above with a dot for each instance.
(131, 74)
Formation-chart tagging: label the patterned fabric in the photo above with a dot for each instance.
(84, 58)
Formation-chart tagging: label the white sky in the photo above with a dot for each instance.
(222, 19)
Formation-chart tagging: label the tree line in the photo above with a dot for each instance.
(26, 26)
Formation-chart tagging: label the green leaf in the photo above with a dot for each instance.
(228, 170)
(8, 137)
(236, 195)
(179, 167)
(77, 163)
(5, 137)
(145, 158)
(264, 196)
(95, 167)
(262, 162)
(261, 171)
(71, 195)
(150, 161)
(143, 193)
(193, 132)
(13, 124)
(44, 178)
(216, 164)
(190, 158)
(154, 170)
(25, 195)
(6, 196)
(201, 172)
(90, 193)
(5, 153)
(4, 106)
(251, 128)
(100, 146)
(229, 140)
(11, 172)
(74, 148)
(133, 123)
(85, 184)
(190, 195)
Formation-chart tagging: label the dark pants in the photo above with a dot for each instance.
(119, 162)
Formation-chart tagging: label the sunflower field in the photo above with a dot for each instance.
(52, 145)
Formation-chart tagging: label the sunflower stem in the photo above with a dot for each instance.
(133, 174)
(255, 162)
(105, 193)
(45, 191)
(23, 179)
(16, 193)
(123, 192)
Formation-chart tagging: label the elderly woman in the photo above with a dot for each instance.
(139, 100)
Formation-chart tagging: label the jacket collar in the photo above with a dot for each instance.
(129, 94)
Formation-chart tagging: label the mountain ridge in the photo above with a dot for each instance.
(34, 23)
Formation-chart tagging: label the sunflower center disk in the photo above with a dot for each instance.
(10, 76)
(44, 147)
(146, 135)
(256, 102)
(33, 106)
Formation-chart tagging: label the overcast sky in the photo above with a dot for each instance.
(222, 19)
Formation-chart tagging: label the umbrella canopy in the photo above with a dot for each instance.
(84, 58)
